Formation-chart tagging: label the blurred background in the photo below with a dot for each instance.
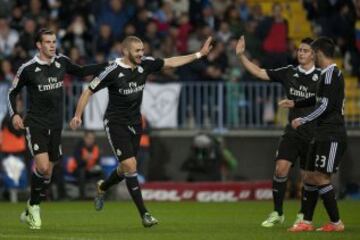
(209, 123)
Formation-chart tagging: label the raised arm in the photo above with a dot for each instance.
(249, 66)
(182, 60)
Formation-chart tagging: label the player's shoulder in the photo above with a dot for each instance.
(30, 64)
(331, 72)
(109, 70)
(289, 67)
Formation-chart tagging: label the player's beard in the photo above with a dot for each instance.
(133, 59)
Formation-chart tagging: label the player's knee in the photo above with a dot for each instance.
(128, 165)
(282, 169)
(44, 169)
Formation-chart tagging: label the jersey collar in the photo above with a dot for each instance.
(121, 63)
(41, 62)
(306, 72)
(327, 68)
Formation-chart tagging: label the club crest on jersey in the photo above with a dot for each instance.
(36, 147)
(94, 83)
(57, 64)
(315, 77)
(140, 69)
(118, 152)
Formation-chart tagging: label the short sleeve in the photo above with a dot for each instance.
(104, 79)
(151, 64)
(278, 74)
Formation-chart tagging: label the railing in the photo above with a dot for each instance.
(220, 106)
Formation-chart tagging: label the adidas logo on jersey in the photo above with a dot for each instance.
(57, 64)
(296, 75)
(37, 69)
(120, 75)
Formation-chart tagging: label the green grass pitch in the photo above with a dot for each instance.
(182, 220)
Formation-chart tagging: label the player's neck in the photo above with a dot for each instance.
(326, 62)
(307, 67)
(129, 63)
(45, 58)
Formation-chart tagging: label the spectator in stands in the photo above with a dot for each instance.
(16, 19)
(8, 38)
(37, 11)
(77, 36)
(115, 14)
(104, 40)
(86, 164)
(26, 40)
(274, 31)
(232, 17)
(6, 72)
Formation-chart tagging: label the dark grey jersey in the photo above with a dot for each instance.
(298, 84)
(125, 86)
(44, 83)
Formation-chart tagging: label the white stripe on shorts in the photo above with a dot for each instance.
(331, 159)
(28, 137)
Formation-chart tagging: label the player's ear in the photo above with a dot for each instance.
(38, 44)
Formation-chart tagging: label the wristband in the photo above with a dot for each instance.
(198, 55)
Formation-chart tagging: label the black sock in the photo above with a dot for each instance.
(279, 189)
(327, 194)
(309, 200)
(302, 210)
(46, 184)
(37, 182)
(113, 179)
(133, 187)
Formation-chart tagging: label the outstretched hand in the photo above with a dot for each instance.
(206, 48)
(240, 46)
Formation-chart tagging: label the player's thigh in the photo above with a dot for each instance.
(303, 151)
(311, 157)
(329, 155)
(120, 141)
(37, 140)
(287, 149)
(55, 148)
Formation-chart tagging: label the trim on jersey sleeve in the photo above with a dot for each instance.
(148, 58)
(107, 71)
(315, 114)
(16, 82)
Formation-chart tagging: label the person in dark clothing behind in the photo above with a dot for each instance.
(87, 155)
(205, 159)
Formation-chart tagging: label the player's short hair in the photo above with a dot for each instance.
(41, 33)
(325, 45)
(130, 39)
(307, 41)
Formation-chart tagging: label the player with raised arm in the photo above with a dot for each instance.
(299, 82)
(330, 138)
(125, 79)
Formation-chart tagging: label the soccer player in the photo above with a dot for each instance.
(330, 138)
(125, 80)
(43, 77)
(299, 82)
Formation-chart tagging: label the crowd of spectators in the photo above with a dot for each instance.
(91, 31)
